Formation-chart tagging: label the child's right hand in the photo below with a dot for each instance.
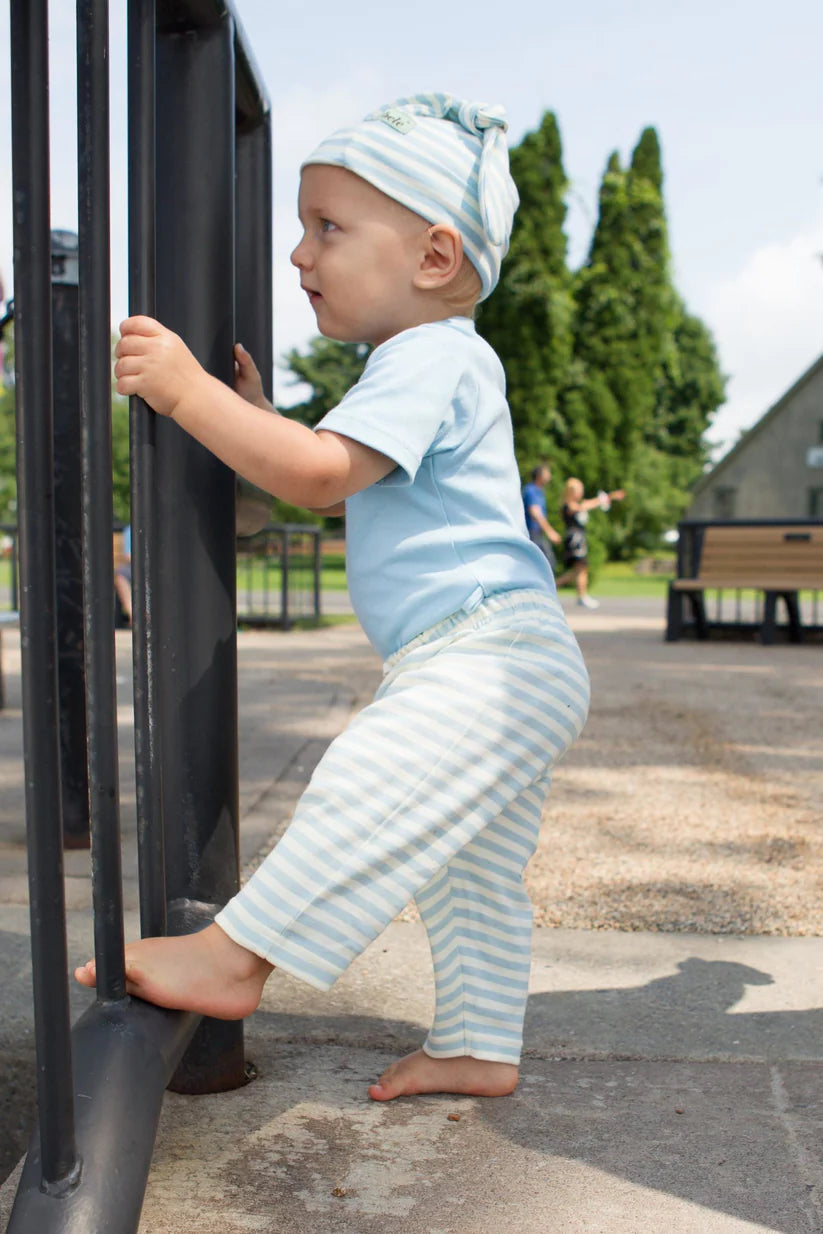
(247, 380)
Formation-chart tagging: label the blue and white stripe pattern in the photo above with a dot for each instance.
(444, 158)
(433, 792)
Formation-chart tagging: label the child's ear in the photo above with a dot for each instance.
(441, 259)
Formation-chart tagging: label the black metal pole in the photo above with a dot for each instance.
(98, 569)
(285, 620)
(318, 569)
(59, 1163)
(68, 505)
(196, 557)
(143, 470)
(253, 281)
(254, 255)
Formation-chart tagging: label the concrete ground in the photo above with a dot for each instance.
(672, 1082)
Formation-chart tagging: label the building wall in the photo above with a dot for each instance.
(769, 475)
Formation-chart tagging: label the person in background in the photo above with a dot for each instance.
(122, 574)
(539, 528)
(575, 544)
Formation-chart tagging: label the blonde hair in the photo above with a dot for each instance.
(464, 290)
(572, 489)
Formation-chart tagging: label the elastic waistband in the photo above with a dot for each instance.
(519, 601)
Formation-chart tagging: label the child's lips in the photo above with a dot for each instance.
(313, 295)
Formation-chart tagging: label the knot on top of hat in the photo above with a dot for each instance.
(478, 118)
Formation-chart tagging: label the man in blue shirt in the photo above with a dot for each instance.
(540, 530)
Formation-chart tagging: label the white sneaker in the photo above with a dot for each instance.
(588, 602)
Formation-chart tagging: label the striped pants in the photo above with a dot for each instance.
(433, 792)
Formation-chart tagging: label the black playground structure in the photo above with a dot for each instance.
(199, 259)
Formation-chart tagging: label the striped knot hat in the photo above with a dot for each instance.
(444, 158)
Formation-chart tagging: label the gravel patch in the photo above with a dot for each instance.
(692, 801)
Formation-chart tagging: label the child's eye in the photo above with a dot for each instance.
(327, 225)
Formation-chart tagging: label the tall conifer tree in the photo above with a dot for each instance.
(623, 331)
(528, 317)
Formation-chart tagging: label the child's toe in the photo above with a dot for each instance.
(85, 974)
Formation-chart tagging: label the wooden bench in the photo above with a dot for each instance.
(779, 560)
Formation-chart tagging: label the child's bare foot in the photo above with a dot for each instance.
(420, 1073)
(206, 972)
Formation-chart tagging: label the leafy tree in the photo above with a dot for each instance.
(690, 389)
(528, 317)
(330, 369)
(120, 457)
(628, 391)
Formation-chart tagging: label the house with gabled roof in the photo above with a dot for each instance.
(775, 470)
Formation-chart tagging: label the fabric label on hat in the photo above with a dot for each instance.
(399, 120)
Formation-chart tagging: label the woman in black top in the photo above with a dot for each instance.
(575, 545)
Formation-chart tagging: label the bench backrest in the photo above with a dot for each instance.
(782, 553)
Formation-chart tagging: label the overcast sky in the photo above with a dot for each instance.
(735, 91)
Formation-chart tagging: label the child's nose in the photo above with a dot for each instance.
(300, 255)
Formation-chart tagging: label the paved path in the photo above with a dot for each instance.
(672, 1083)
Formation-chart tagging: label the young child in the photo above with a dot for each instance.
(435, 790)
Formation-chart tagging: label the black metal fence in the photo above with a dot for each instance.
(279, 574)
(194, 239)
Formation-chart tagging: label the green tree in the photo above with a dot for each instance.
(120, 457)
(330, 369)
(626, 396)
(691, 387)
(528, 317)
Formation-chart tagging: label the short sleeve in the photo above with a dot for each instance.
(402, 403)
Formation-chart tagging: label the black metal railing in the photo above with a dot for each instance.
(193, 240)
(279, 574)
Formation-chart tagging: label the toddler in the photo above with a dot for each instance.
(434, 791)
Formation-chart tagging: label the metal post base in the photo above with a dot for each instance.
(124, 1056)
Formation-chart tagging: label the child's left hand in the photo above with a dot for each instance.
(155, 364)
(247, 381)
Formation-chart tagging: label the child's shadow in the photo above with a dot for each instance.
(688, 1014)
(634, 1083)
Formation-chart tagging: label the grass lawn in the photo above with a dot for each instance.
(620, 578)
(261, 575)
(616, 578)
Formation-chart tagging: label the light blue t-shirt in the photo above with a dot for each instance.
(446, 528)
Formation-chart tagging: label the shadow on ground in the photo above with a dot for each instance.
(631, 1082)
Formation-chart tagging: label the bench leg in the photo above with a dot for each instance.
(769, 626)
(769, 623)
(674, 616)
(699, 612)
(792, 602)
